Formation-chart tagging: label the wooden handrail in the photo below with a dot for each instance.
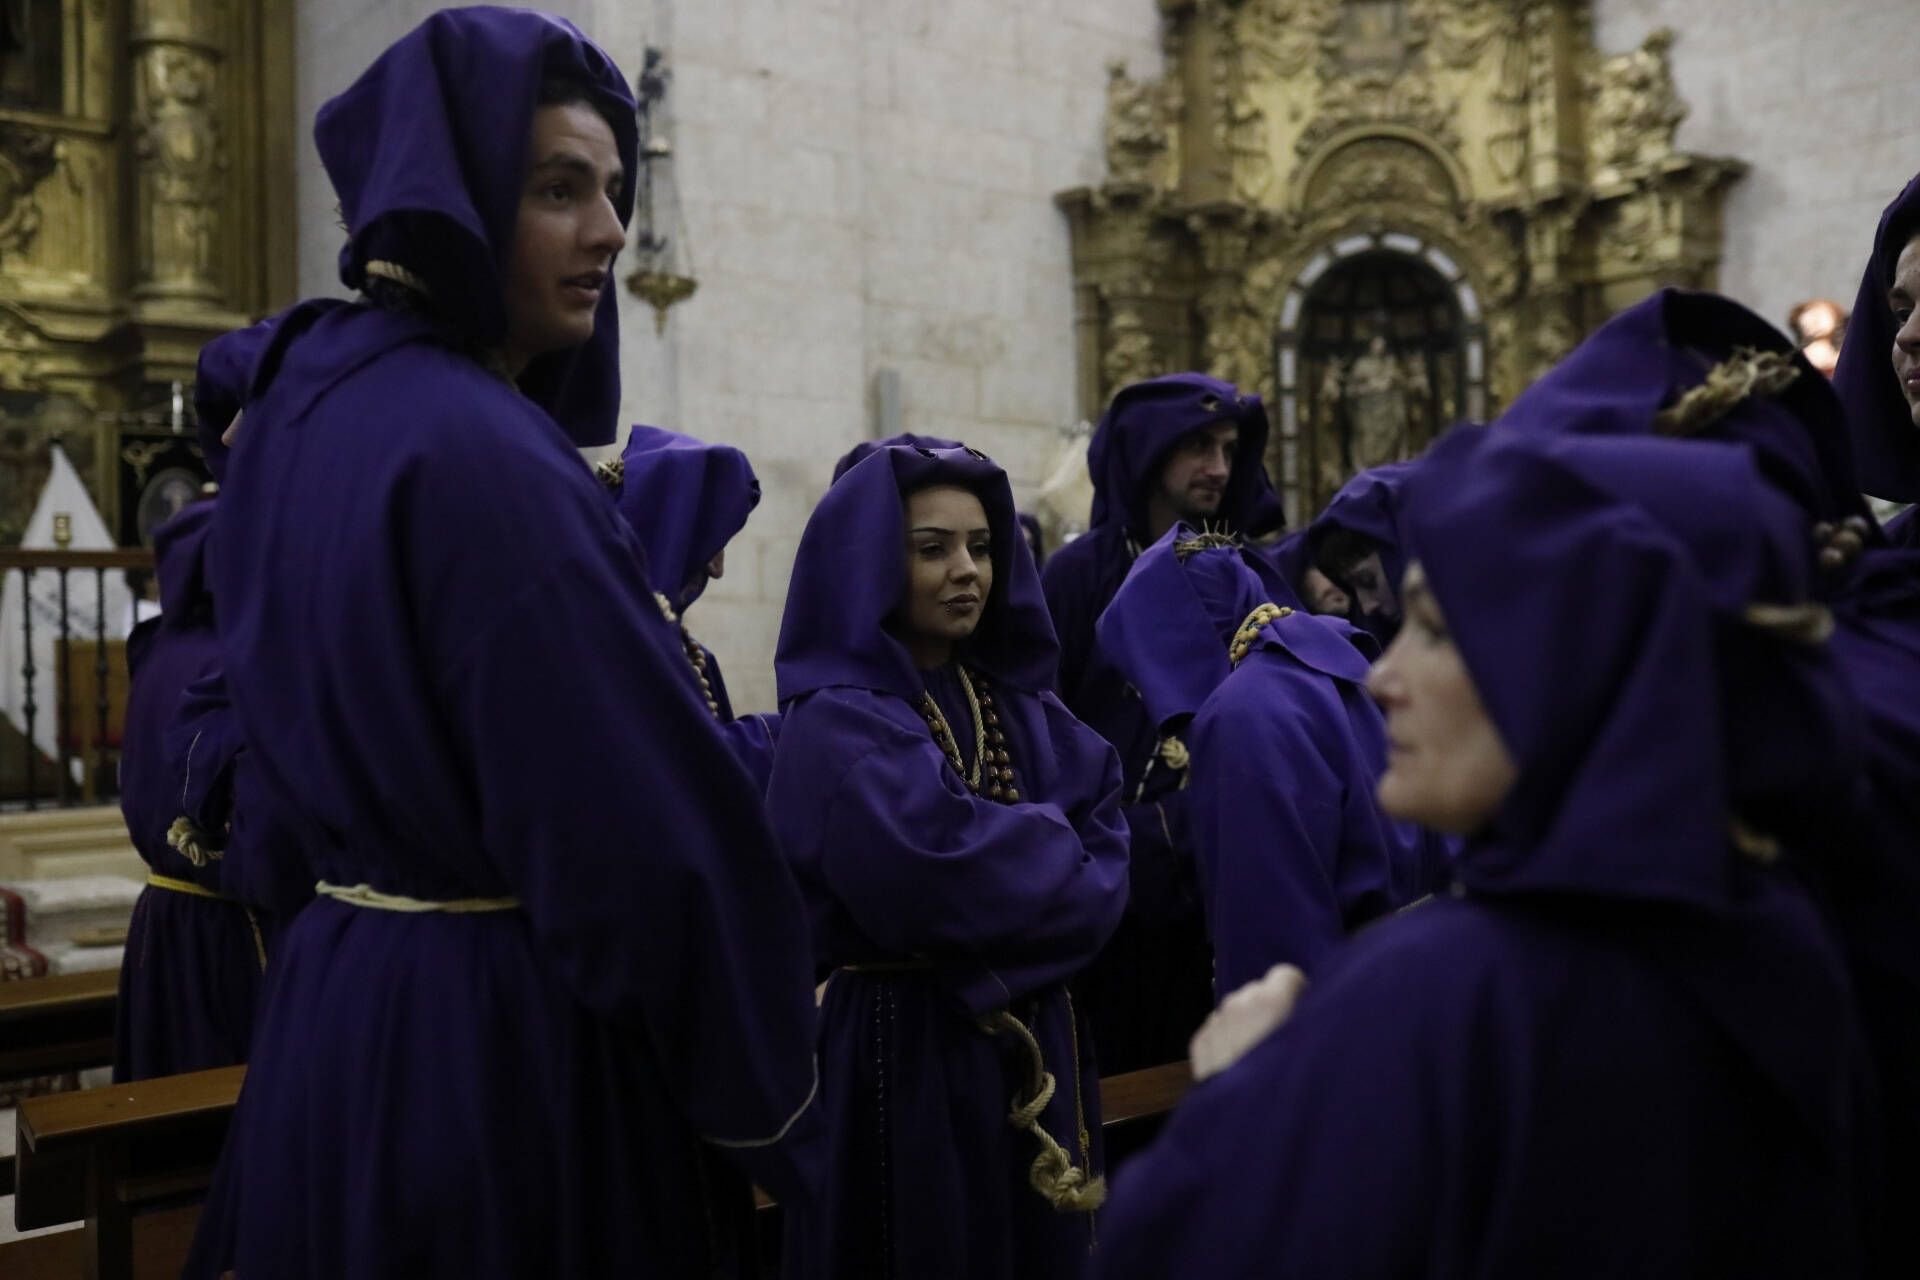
(38, 558)
(59, 1023)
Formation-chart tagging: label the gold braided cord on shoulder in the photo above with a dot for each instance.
(1803, 624)
(365, 895)
(1745, 373)
(1067, 1188)
(1250, 630)
(381, 269)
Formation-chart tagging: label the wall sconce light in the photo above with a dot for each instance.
(664, 273)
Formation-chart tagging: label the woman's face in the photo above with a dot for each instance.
(1904, 298)
(567, 233)
(949, 564)
(1446, 766)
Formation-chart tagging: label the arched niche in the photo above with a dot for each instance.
(1416, 297)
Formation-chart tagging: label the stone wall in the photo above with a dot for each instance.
(1822, 100)
(867, 186)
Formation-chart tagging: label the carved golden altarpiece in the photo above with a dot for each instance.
(146, 204)
(1383, 215)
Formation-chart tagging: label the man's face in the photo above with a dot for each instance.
(1323, 594)
(1193, 479)
(1902, 298)
(567, 233)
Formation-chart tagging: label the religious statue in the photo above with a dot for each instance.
(1383, 396)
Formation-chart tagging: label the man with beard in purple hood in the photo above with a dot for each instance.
(1182, 447)
(1625, 1044)
(555, 963)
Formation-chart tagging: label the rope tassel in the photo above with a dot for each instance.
(1066, 1187)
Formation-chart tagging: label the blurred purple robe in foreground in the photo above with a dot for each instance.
(1623, 1048)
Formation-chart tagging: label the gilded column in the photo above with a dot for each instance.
(179, 158)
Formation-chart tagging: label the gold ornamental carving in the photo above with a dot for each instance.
(1380, 214)
(178, 148)
(146, 205)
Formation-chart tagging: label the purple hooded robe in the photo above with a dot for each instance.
(193, 965)
(1647, 357)
(1620, 1047)
(936, 907)
(447, 663)
(1285, 748)
(1366, 505)
(1148, 985)
(686, 500)
(1886, 443)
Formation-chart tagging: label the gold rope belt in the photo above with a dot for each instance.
(172, 885)
(365, 895)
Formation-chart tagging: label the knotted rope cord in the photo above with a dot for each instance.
(193, 844)
(1747, 372)
(1053, 1174)
(1250, 630)
(1174, 753)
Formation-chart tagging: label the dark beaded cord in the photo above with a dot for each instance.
(992, 772)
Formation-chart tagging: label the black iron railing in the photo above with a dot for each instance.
(87, 732)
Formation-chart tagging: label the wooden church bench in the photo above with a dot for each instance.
(59, 1023)
(108, 1157)
(132, 1162)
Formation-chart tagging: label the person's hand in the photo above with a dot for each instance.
(1244, 1019)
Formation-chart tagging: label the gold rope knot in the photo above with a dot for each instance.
(1747, 372)
(1751, 842)
(611, 472)
(381, 269)
(1802, 624)
(1173, 752)
(1067, 1188)
(192, 843)
(1250, 630)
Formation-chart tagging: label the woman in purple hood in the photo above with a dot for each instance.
(556, 966)
(959, 840)
(686, 500)
(1624, 1045)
